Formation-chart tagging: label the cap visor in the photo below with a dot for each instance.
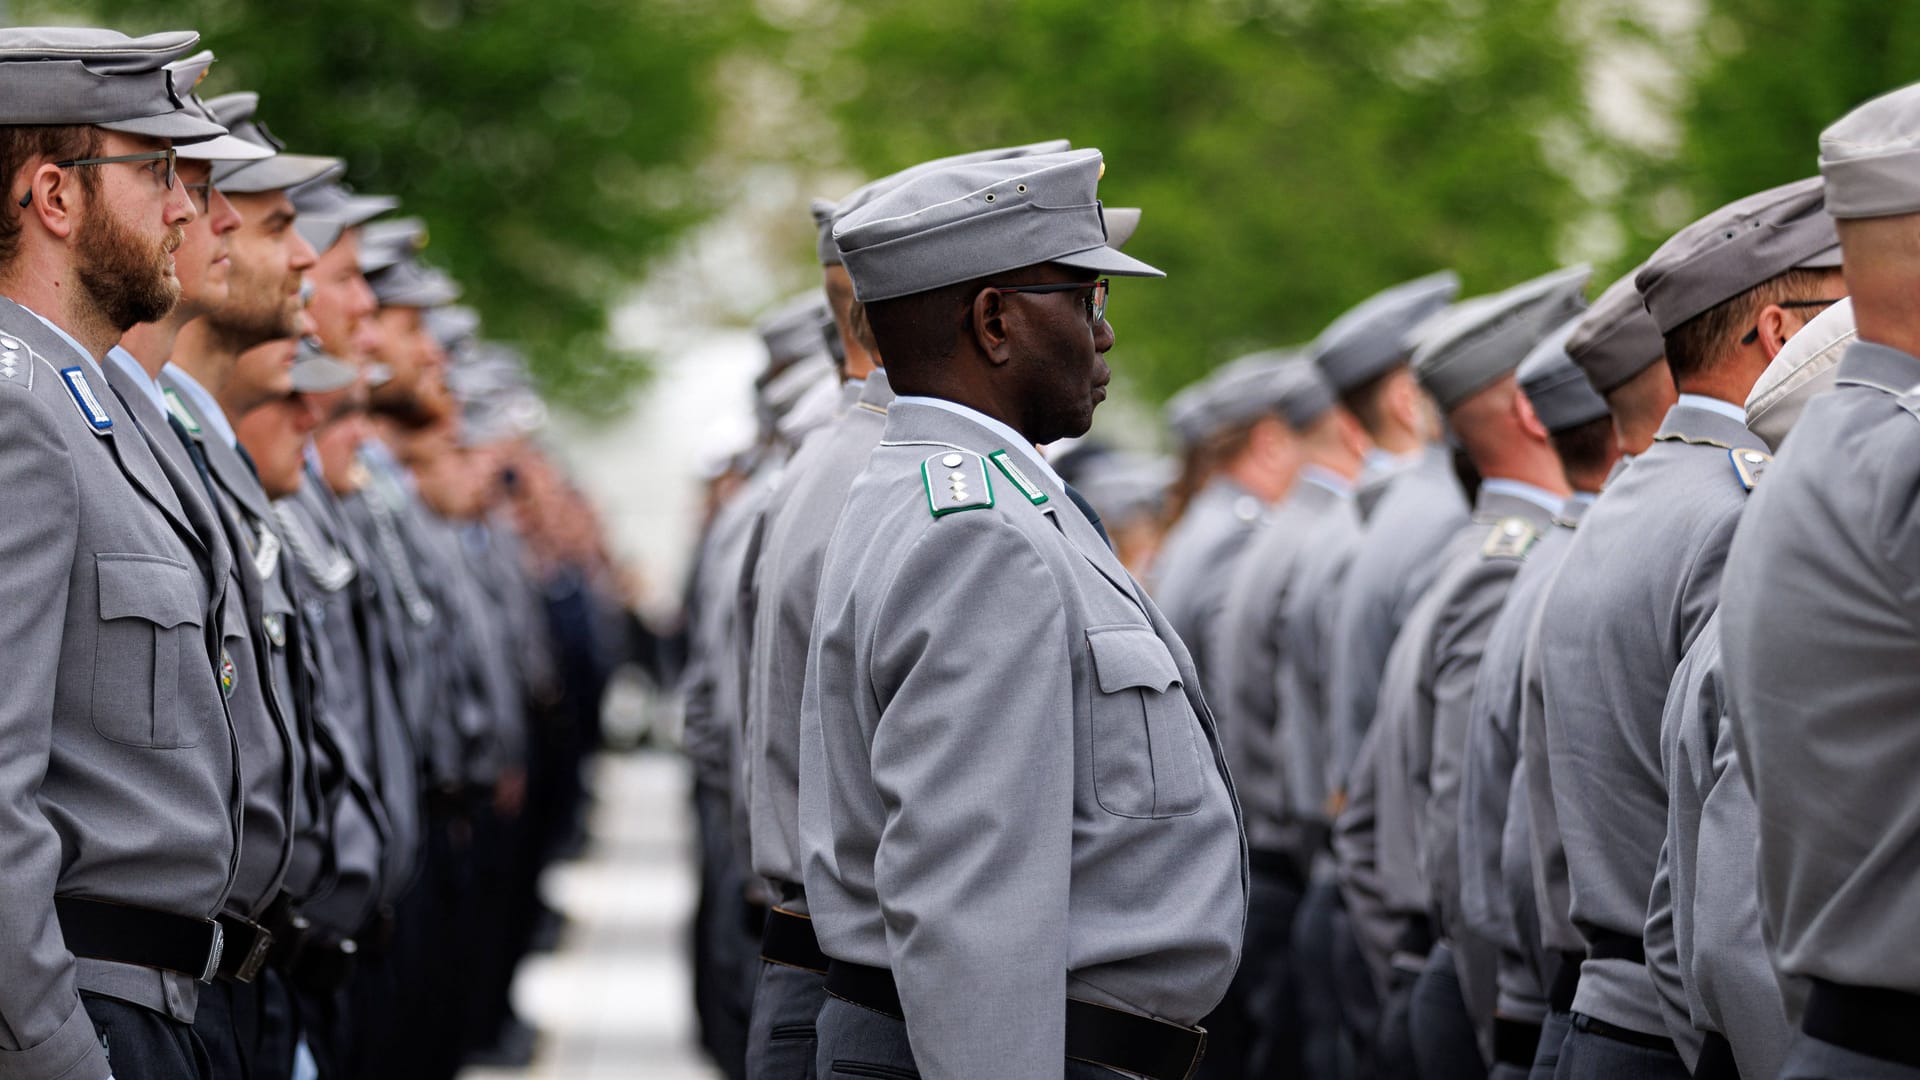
(225, 148)
(1122, 222)
(427, 294)
(1105, 260)
(321, 374)
(319, 231)
(180, 126)
(277, 173)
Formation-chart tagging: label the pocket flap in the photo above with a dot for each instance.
(1125, 657)
(158, 590)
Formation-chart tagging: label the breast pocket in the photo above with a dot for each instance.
(150, 639)
(1146, 753)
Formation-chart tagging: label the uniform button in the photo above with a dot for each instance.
(952, 461)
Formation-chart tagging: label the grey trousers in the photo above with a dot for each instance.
(860, 1044)
(780, 1038)
(1809, 1058)
(1444, 1045)
(1590, 1056)
(1553, 1036)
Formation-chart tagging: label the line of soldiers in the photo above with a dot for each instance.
(305, 635)
(1483, 780)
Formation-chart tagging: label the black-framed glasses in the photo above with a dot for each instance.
(1095, 302)
(168, 155)
(1753, 335)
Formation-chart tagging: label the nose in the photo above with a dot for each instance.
(1102, 336)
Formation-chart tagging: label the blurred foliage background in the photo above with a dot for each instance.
(1292, 155)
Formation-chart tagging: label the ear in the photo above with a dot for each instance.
(1529, 420)
(55, 199)
(1776, 326)
(992, 329)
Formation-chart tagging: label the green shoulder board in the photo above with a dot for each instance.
(1511, 538)
(956, 480)
(1034, 494)
(1748, 465)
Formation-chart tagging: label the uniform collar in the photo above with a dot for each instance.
(1323, 477)
(64, 336)
(1546, 500)
(205, 408)
(1867, 363)
(131, 368)
(1014, 440)
(1714, 405)
(1708, 421)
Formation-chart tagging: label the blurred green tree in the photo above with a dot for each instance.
(551, 146)
(1292, 155)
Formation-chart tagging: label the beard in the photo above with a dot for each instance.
(130, 280)
(254, 311)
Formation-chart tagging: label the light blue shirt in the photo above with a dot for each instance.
(1321, 476)
(205, 409)
(66, 337)
(1579, 500)
(1013, 438)
(1727, 409)
(124, 360)
(1546, 500)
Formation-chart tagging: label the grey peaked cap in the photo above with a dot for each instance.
(823, 211)
(315, 371)
(1187, 415)
(276, 173)
(384, 243)
(1871, 157)
(1561, 396)
(873, 189)
(410, 284)
(968, 221)
(327, 210)
(792, 332)
(187, 75)
(1370, 338)
(1617, 339)
(58, 75)
(1743, 244)
(1487, 337)
(1277, 382)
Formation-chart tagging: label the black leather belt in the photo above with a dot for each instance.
(1607, 945)
(1276, 865)
(1583, 1022)
(1566, 982)
(753, 919)
(125, 934)
(788, 940)
(1868, 1020)
(245, 952)
(1716, 1059)
(324, 967)
(1096, 1034)
(1515, 1042)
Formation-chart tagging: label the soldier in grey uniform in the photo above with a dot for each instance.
(1466, 363)
(1496, 878)
(121, 788)
(1726, 293)
(1323, 450)
(1618, 348)
(1821, 662)
(1004, 761)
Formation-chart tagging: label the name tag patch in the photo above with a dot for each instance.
(83, 398)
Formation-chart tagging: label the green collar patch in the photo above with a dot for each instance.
(956, 480)
(1511, 538)
(180, 411)
(1034, 495)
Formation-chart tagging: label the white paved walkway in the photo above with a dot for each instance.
(615, 1000)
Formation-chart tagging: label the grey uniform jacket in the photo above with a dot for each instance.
(1010, 791)
(1704, 947)
(1420, 509)
(799, 522)
(1823, 669)
(1191, 572)
(1249, 652)
(1306, 755)
(272, 758)
(1496, 882)
(1640, 581)
(119, 780)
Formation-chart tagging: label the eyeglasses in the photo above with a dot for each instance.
(1753, 335)
(201, 194)
(166, 155)
(1095, 302)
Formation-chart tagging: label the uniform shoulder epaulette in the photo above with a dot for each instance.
(1748, 465)
(956, 480)
(16, 362)
(1027, 487)
(1511, 538)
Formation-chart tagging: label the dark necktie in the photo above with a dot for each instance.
(199, 459)
(247, 459)
(1086, 509)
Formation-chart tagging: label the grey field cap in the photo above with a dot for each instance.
(409, 283)
(275, 173)
(1745, 243)
(968, 221)
(384, 243)
(1122, 223)
(456, 325)
(59, 75)
(1280, 382)
(823, 211)
(1871, 157)
(1122, 485)
(1370, 338)
(187, 75)
(792, 332)
(1806, 367)
(1487, 337)
(1617, 339)
(1187, 414)
(314, 371)
(1555, 386)
(873, 189)
(328, 209)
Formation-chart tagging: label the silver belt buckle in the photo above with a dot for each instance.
(213, 954)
